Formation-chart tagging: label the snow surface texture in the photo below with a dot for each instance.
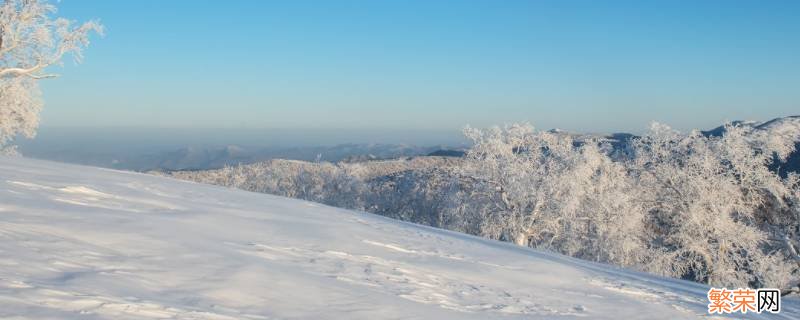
(89, 243)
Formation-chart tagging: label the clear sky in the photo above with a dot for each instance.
(595, 66)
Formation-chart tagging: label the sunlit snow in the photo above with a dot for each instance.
(88, 243)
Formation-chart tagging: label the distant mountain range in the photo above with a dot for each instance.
(212, 157)
(777, 128)
(202, 158)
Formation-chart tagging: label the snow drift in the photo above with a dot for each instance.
(90, 243)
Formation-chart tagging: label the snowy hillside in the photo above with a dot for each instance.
(87, 243)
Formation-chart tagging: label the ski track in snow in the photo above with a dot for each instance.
(86, 243)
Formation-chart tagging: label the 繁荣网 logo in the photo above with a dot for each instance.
(743, 300)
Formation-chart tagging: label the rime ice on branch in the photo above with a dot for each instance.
(30, 41)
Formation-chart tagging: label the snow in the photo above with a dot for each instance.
(88, 243)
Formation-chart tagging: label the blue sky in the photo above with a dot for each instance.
(595, 66)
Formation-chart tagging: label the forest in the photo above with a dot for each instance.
(711, 207)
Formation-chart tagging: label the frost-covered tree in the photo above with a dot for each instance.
(711, 209)
(554, 193)
(705, 208)
(30, 41)
(713, 205)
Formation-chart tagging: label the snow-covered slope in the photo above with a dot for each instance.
(88, 243)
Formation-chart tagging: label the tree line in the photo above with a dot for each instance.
(706, 208)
